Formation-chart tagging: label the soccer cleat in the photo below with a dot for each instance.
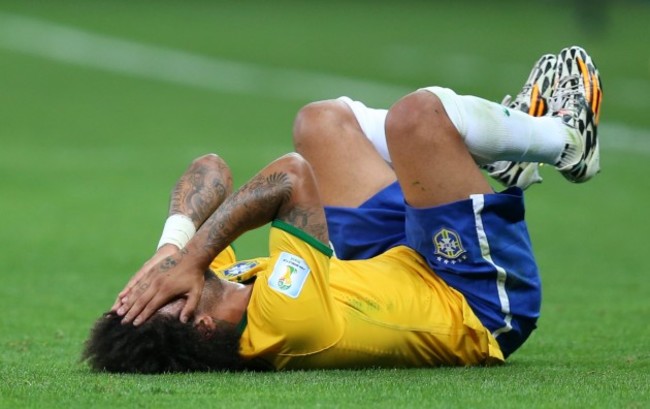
(508, 173)
(577, 100)
(533, 99)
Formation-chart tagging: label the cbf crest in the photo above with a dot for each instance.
(448, 245)
(240, 272)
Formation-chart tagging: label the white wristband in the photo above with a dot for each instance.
(178, 230)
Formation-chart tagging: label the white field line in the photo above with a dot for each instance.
(70, 45)
(73, 46)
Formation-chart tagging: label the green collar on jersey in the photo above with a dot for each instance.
(242, 324)
(304, 236)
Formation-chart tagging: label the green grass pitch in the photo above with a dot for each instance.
(104, 103)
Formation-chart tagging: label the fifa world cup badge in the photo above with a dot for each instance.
(289, 275)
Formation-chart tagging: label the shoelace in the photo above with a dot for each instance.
(566, 89)
(523, 97)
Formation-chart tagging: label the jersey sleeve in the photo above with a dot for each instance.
(292, 311)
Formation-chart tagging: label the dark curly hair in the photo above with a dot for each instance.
(161, 344)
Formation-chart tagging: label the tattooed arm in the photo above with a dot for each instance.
(285, 190)
(197, 194)
(201, 189)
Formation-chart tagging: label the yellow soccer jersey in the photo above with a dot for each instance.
(308, 310)
(225, 258)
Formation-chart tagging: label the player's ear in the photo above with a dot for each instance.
(205, 324)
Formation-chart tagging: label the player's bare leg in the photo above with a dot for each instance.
(348, 168)
(429, 156)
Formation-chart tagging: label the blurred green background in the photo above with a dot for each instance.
(104, 103)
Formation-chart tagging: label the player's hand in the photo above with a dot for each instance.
(162, 253)
(173, 277)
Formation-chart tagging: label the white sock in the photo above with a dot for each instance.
(372, 124)
(493, 132)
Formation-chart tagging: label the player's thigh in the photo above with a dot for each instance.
(430, 158)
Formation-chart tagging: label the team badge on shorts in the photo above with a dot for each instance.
(289, 274)
(448, 245)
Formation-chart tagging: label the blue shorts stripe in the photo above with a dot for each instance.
(478, 203)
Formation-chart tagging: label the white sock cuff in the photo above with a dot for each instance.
(450, 100)
(372, 122)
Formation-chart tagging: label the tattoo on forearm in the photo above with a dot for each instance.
(199, 192)
(252, 205)
(281, 183)
(269, 195)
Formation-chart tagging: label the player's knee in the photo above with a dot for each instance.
(313, 123)
(412, 113)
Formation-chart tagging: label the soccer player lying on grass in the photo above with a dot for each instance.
(308, 310)
(364, 205)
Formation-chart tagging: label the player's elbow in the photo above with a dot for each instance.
(296, 168)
